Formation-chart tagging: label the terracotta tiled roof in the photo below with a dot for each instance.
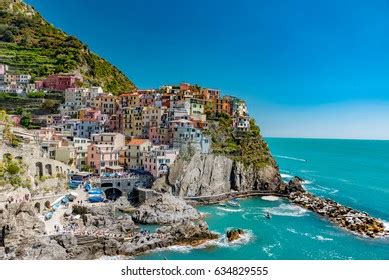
(137, 141)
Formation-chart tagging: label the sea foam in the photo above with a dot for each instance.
(270, 198)
(286, 176)
(287, 210)
(225, 209)
(291, 158)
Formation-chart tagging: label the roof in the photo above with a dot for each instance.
(138, 141)
(181, 121)
(102, 145)
(115, 167)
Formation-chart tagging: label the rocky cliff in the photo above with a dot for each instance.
(22, 235)
(211, 174)
(239, 161)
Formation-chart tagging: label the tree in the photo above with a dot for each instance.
(50, 105)
(4, 118)
(13, 168)
(8, 37)
(25, 121)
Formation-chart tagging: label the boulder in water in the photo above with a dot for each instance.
(234, 234)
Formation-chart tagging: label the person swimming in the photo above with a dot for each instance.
(268, 215)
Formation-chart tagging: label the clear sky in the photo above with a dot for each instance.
(306, 68)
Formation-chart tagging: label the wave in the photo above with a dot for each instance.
(229, 209)
(291, 158)
(287, 210)
(321, 238)
(307, 182)
(286, 176)
(270, 198)
(247, 237)
(222, 241)
(268, 249)
(257, 216)
(315, 237)
(386, 225)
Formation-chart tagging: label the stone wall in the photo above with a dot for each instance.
(37, 164)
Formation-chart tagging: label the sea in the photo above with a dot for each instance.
(352, 172)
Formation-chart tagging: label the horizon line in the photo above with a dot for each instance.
(324, 138)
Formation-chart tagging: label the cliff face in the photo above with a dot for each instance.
(239, 161)
(212, 174)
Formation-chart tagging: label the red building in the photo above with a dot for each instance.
(60, 82)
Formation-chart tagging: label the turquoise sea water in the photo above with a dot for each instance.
(355, 173)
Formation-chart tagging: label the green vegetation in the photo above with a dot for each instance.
(29, 44)
(8, 137)
(32, 104)
(12, 172)
(246, 147)
(39, 94)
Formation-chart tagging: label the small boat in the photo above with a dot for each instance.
(72, 196)
(48, 216)
(73, 184)
(88, 187)
(95, 191)
(233, 203)
(95, 199)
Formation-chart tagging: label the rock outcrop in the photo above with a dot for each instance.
(91, 232)
(185, 233)
(22, 235)
(234, 234)
(165, 209)
(206, 175)
(294, 185)
(352, 220)
(95, 220)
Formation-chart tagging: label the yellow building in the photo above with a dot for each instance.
(132, 155)
(129, 100)
(132, 121)
(107, 103)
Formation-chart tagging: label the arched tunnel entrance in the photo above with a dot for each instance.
(113, 193)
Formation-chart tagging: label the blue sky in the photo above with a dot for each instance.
(307, 68)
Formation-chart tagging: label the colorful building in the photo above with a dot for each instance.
(61, 82)
(101, 156)
(116, 140)
(129, 100)
(158, 160)
(132, 155)
(132, 121)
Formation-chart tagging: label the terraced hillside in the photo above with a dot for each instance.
(29, 44)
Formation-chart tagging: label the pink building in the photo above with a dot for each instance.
(39, 84)
(60, 82)
(115, 122)
(146, 100)
(101, 156)
(184, 86)
(3, 69)
(89, 114)
(159, 159)
(159, 135)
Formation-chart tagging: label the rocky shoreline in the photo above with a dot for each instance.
(96, 231)
(352, 220)
(91, 232)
